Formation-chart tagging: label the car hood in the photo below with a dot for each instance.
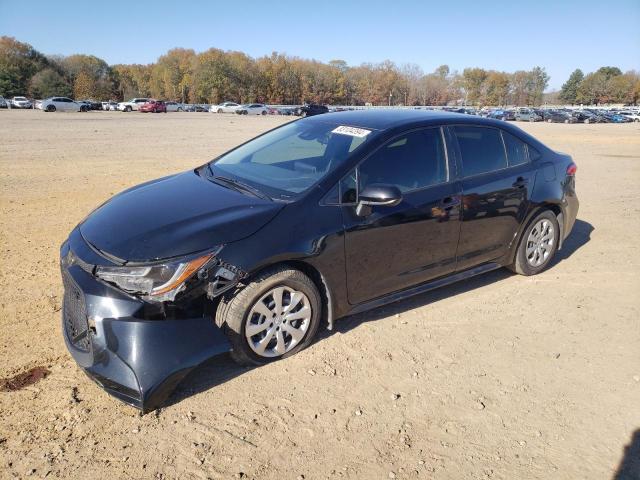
(173, 216)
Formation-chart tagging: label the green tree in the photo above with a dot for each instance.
(48, 83)
(569, 90)
(18, 63)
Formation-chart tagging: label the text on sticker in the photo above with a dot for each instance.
(351, 131)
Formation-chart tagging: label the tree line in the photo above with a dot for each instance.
(215, 75)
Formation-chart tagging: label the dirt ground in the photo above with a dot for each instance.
(499, 377)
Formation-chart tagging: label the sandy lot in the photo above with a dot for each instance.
(500, 377)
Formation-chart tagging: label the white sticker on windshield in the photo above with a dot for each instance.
(351, 131)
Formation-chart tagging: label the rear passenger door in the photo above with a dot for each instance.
(497, 178)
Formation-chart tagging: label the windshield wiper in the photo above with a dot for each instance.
(240, 186)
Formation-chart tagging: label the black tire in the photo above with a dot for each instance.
(549, 120)
(179, 109)
(50, 108)
(234, 307)
(219, 110)
(520, 264)
(83, 108)
(128, 108)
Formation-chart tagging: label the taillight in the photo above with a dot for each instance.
(571, 169)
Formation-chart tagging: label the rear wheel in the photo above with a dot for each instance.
(273, 317)
(538, 244)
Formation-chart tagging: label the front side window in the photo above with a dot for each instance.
(481, 148)
(290, 159)
(414, 160)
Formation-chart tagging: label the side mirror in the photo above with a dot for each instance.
(377, 194)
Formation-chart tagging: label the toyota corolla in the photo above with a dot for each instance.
(317, 219)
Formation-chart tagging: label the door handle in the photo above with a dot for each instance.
(450, 202)
(521, 182)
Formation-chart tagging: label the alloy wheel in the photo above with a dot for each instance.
(540, 243)
(278, 322)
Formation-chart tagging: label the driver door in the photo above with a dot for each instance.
(394, 248)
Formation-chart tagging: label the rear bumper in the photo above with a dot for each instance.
(137, 360)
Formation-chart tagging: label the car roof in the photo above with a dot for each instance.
(385, 119)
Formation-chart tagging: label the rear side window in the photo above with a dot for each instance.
(516, 150)
(414, 160)
(481, 149)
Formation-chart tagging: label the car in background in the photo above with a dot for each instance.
(3, 102)
(92, 104)
(527, 115)
(133, 104)
(616, 118)
(252, 109)
(556, 116)
(224, 107)
(153, 106)
(62, 104)
(21, 102)
(110, 105)
(311, 109)
(633, 116)
(286, 111)
(500, 114)
(174, 106)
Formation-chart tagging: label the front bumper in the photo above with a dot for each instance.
(123, 343)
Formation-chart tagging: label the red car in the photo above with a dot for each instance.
(154, 106)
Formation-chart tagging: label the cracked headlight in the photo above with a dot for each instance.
(158, 282)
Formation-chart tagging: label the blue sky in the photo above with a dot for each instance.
(503, 35)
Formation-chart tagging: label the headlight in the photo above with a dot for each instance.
(159, 282)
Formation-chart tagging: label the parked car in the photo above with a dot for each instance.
(271, 242)
(252, 109)
(499, 114)
(3, 102)
(62, 104)
(615, 118)
(174, 107)
(527, 115)
(93, 105)
(21, 102)
(224, 107)
(110, 105)
(133, 104)
(634, 116)
(555, 116)
(309, 110)
(153, 106)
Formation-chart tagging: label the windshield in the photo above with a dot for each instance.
(289, 160)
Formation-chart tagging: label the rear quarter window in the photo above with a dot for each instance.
(516, 150)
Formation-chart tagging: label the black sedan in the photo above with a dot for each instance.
(317, 219)
(309, 110)
(555, 116)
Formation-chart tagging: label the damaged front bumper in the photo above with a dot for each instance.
(131, 348)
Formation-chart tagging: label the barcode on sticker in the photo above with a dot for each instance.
(351, 131)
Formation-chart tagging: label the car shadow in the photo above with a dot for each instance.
(222, 368)
(629, 468)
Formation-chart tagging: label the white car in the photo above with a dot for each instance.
(21, 102)
(61, 104)
(635, 116)
(224, 107)
(132, 104)
(252, 109)
(174, 107)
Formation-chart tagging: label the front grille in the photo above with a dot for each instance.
(74, 314)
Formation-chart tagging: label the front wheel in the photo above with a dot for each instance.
(538, 245)
(127, 108)
(273, 317)
(51, 108)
